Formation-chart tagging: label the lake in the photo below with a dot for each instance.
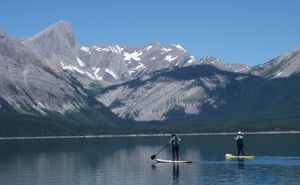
(126, 160)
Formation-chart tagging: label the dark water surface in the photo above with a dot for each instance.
(126, 160)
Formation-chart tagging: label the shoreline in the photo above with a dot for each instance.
(148, 135)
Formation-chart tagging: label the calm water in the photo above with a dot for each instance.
(126, 160)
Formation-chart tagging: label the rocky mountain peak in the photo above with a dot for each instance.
(58, 39)
(233, 67)
(283, 66)
(59, 30)
(4, 42)
(2, 36)
(154, 44)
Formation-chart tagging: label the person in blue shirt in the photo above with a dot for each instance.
(175, 140)
(239, 138)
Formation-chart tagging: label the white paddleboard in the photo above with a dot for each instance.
(170, 161)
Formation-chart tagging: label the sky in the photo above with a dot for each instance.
(250, 32)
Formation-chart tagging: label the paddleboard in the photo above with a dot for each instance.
(170, 161)
(231, 156)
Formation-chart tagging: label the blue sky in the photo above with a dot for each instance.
(242, 31)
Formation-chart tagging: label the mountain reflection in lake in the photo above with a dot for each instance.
(126, 160)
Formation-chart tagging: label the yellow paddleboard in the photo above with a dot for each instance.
(231, 156)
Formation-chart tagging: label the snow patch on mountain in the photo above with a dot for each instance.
(169, 58)
(141, 66)
(113, 74)
(85, 49)
(165, 50)
(80, 62)
(114, 49)
(133, 56)
(179, 47)
(148, 48)
(191, 60)
(76, 69)
(96, 71)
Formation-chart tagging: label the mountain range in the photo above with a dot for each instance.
(110, 64)
(52, 86)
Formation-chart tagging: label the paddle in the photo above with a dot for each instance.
(153, 156)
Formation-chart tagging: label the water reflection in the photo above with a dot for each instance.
(126, 161)
(175, 173)
(241, 164)
(153, 167)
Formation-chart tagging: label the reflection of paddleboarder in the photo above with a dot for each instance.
(175, 173)
(239, 138)
(241, 164)
(174, 140)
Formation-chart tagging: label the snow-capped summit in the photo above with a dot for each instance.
(130, 62)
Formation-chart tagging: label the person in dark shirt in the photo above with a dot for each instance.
(175, 140)
(239, 138)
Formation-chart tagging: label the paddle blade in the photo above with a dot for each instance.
(153, 157)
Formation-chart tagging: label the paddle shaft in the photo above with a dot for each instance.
(162, 149)
(153, 156)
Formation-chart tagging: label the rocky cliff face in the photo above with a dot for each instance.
(202, 92)
(29, 85)
(56, 44)
(156, 96)
(283, 66)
